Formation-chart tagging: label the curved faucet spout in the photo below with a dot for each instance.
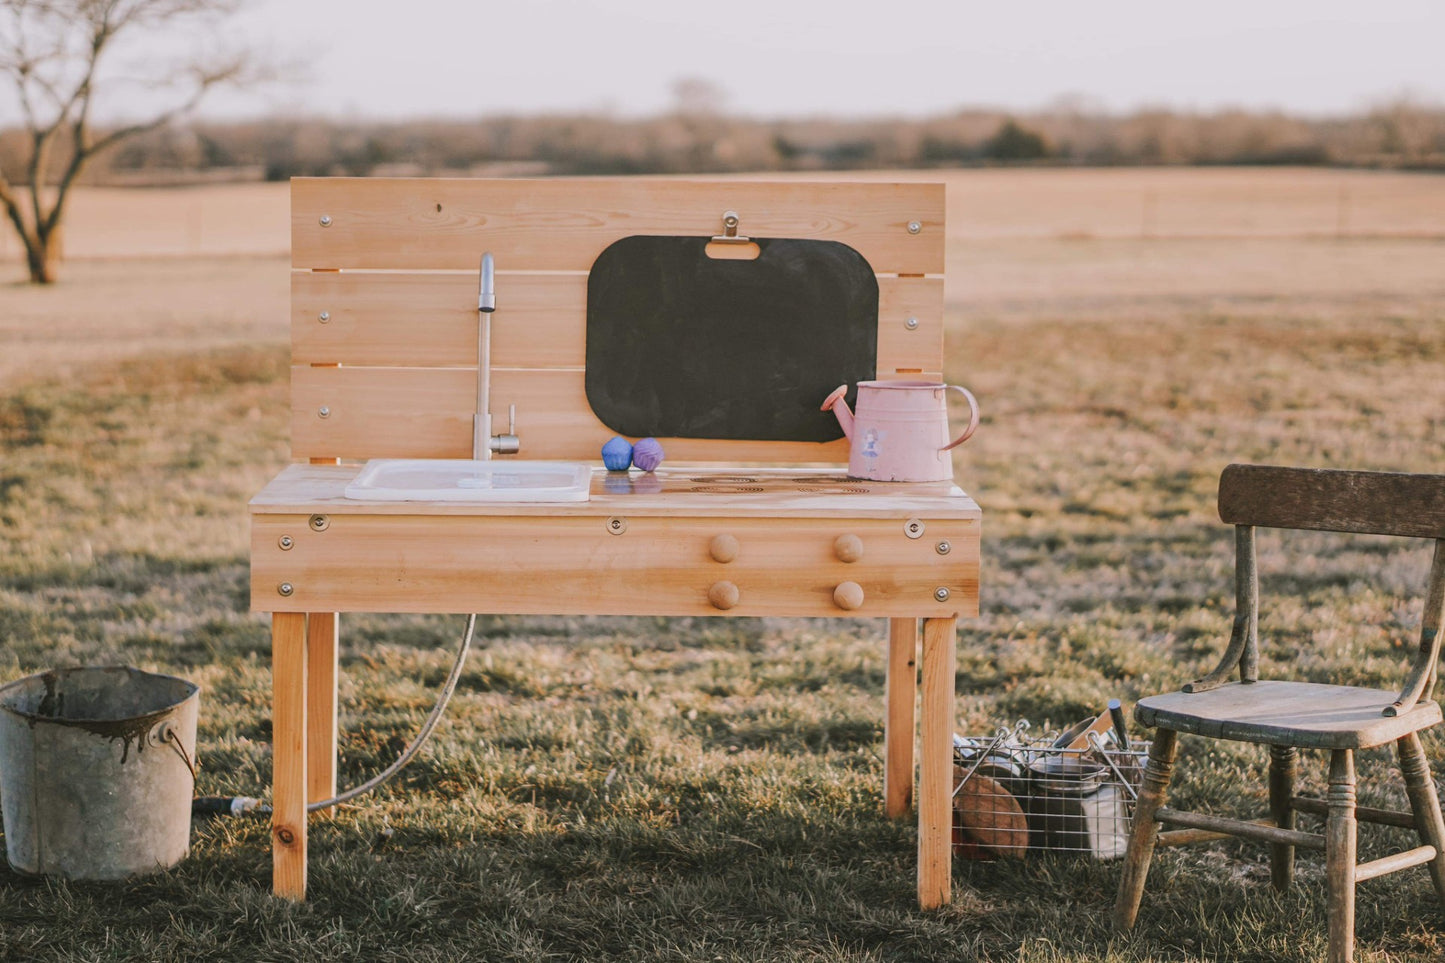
(486, 304)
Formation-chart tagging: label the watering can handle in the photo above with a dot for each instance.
(972, 417)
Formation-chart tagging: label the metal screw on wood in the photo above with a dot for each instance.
(941, 593)
(914, 227)
(326, 221)
(616, 525)
(286, 542)
(285, 589)
(324, 317)
(320, 523)
(943, 548)
(911, 324)
(913, 528)
(323, 412)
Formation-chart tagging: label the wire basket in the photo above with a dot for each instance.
(1013, 794)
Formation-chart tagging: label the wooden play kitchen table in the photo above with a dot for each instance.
(386, 365)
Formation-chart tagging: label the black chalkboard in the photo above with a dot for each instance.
(684, 345)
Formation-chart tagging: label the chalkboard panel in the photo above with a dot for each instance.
(684, 345)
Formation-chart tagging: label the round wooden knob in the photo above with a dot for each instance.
(848, 548)
(848, 595)
(723, 595)
(723, 548)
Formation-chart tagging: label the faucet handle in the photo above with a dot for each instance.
(508, 444)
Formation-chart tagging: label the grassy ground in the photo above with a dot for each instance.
(666, 789)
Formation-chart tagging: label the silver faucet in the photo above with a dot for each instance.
(484, 443)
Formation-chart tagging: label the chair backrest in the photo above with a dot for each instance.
(384, 300)
(1369, 502)
(1366, 502)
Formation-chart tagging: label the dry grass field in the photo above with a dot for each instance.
(666, 789)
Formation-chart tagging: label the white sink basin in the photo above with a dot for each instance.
(464, 480)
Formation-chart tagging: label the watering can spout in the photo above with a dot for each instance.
(838, 405)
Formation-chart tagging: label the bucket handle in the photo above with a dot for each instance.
(164, 733)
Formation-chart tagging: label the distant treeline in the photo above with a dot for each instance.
(1399, 135)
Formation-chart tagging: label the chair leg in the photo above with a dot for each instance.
(1144, 832)
(1424, 803)
(1340, 840)
(1283, 765)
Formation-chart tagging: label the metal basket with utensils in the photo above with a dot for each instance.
(1070, 793)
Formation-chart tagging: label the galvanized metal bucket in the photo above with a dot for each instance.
(97, 770)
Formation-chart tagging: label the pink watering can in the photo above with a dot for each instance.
(900, 432)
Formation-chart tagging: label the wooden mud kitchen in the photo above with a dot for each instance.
(716, 316)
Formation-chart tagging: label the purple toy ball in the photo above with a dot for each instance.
(647, 454)
(617, 454)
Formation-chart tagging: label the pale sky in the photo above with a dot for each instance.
(845, 58)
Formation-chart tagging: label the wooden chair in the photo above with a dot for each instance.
(1287, 716)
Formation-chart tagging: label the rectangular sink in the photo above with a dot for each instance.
(465, 480)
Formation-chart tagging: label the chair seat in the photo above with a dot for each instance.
(1304, 714)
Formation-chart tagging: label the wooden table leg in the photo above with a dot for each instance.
(288, 754)
(935, 776)
(322, 634)
(902, 692)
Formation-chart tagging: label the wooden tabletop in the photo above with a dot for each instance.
(760, 492)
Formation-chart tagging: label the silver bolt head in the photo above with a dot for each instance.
(914, 227)
(324, 317)
(941, 593)
(319, 523)
(285, 589)
(286, 542)
(323, 412)
(326, 220)
(911, 324)
(913, 528)
(943, 548)
(616, 525)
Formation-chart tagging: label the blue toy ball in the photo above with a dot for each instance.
(617, 454)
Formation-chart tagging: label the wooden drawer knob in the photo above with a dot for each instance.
(848, 596)
(848, 548)
(723, 595)
(723, 548)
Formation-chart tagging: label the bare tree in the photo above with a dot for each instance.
(57, 54)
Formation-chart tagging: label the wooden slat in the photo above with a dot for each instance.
(409, 320)
(427, 413)
(1261, 831)
(562, 224)
(1381, 503)
(1418, 856)
(1365, 814)
(903, 351)
(1188, 837)
(419, 320)
(657, 565)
